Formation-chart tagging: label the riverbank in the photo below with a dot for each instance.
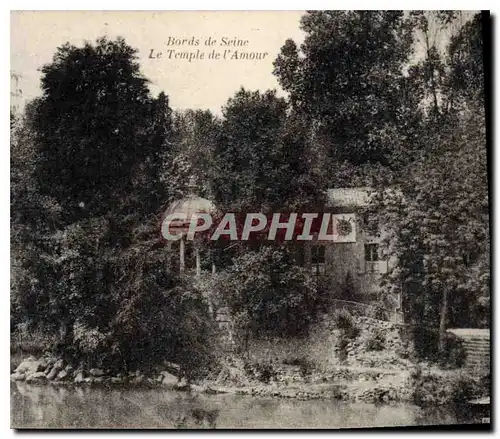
(350, 384)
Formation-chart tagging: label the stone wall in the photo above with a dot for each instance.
(321, 346)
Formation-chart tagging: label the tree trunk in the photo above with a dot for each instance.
(181, 255)
(443, 320)
(198, 261)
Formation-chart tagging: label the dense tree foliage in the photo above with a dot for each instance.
(267, 292)
(96, 159)
(436, 217)
(88, 186)
(347, 76)
(97, 128)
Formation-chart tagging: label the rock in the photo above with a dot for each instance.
(62, 375)
(42, 365)
(28, 367)
(36, 377)
(138, 379)
(59, 364)
(79, 378)
(88, 380)
(159, 378)
(169, 379)
(16, 376)
(116, 380)
(96, 372)
(53, 373)
(183, 385)
(47, 370)
(98, 379)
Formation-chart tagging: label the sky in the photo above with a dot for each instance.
(196, 84)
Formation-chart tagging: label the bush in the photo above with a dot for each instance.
(426, 342)
(426, 346)
(430, 389)
(262, 371)
(347, 289)
(378, 312)
(161, 317)
(342, 344)
(126, 310)
(345, 322)
(454, 352)
(26, 340)
(375, 341)
(306, 366)
(278, 297)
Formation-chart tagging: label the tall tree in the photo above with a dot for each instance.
(98, 144)
(196, 134)
(94, 127)
(348, 77)
(245, 158)
(437, 226)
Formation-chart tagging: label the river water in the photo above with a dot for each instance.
(91, 407)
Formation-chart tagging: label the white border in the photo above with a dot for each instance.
(162, 5)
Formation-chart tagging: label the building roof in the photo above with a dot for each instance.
(470, 332)
(190, 205)
(348, 197)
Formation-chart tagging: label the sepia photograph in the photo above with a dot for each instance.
(250, 219)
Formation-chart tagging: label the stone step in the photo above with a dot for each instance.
(476, 343)
(476, 339)
(477, 360)
(481, 349)
(478, 353)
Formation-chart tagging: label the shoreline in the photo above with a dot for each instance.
(371, 385)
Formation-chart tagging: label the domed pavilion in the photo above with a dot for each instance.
(190, 206)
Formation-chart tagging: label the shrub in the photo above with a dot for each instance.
(426, 342)
(278, 297)
(345, 322)
(378, 312)
(163, 318)
(433, 389)
(375, 341)
(262, 371)
(342, 344)
(454, 354)
(426, 346)
(306, 366)
(126, 310)
(347, 289)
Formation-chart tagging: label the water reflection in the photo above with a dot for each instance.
(84, 407)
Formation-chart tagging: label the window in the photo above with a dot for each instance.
(318, 259)
(318, 254)
(371, 258)
(371, 252)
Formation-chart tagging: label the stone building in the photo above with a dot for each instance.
(352, 261)
(355, 258)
